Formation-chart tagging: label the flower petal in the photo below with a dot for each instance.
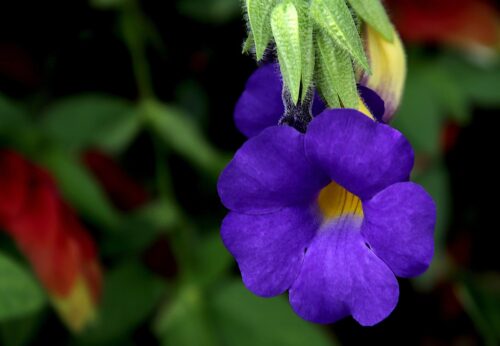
(269, 248)
(388, 65)
(360, 154)
(399, 226)
(270, 172)
(260, 106)
(374, 102)
(318, 105)
(341, 276)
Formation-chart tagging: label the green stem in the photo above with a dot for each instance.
(132, 26)
(183, 236)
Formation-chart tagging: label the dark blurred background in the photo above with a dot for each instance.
(188, 54)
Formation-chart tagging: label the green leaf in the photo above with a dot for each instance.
(285, 26)
(480, 296)
(436, 182)
(119, 136)
(20, 294)
(183, 322)
(91, 120)
(213, 258)
(20, 331)
(16, 129)
(211, 11)
(420, 116)
(107, 4)
(139, 229)
(247, 320)
(337, 70)
(328, 93)
(373, 12)
(131, 293)
(175, 128)
(479, 83)
(450, 95)
(259, 14)
(12, 116)
(192, 97)
(80, 188)
(334, 17)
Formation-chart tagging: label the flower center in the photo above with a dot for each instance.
(334, 202)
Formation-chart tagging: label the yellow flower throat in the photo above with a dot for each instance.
(334, 202)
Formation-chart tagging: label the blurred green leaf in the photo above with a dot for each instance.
(91, 120)
(20, 294)
(183, 322)
(213, 258)
(161, 214)
(107, 4)
(119, 137)
(16, 129)
(436, 182)
(131, 293)
(192, 97)
(11, 115)
(285, 28)
(139, 229)
(450, 95)
(480, 84)
(176, 130)
(246, 320)
(20, 331)
(212, 11)
(480, 296)
(80, 188)
(420, 117)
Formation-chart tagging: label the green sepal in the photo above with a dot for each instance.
(259, 12)
(334, 17)
(248, 44)
(373, 13)
(306, 45)
(285, 27)
(337, 72)
(328, 94)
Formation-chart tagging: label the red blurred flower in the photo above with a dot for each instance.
(125, 193)
(466, 23)
(47, 232)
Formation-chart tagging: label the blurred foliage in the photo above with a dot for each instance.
(481, 297)
(20, 294)
(211, 11)
(131, 293)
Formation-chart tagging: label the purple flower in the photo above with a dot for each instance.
(261, 104)
(328, 215)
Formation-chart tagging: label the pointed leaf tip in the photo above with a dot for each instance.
(286, 32)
